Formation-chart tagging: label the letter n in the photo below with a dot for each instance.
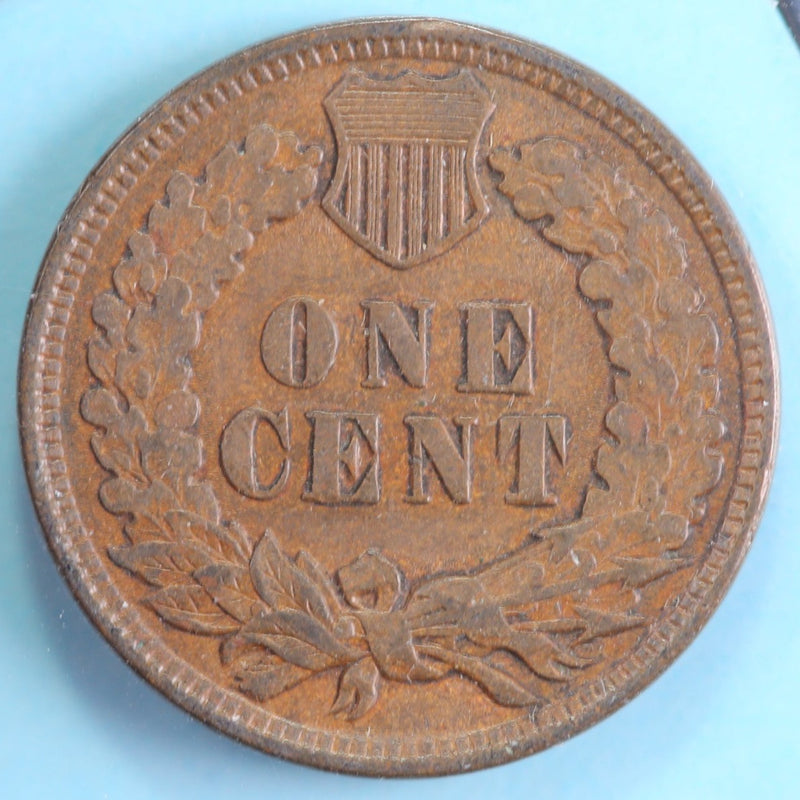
(451, 458)
(391, 338)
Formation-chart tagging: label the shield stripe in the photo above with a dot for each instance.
(374, 181)
(394, 223)
(456, 190)
(382, 195)
(405, 186)
(435, 168)
(415, 220)
(354, 179)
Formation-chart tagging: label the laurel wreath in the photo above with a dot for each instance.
(516, 626)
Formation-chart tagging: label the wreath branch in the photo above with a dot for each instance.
(512, 627)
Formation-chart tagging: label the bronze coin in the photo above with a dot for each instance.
(398, 397)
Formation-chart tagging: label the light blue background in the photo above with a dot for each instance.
(724, 75)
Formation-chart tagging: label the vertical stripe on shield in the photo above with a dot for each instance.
(435, 181)
(374, 186)
(394, 223)
(353, 195)
(455, 193)
(415, 219)
(405, 197)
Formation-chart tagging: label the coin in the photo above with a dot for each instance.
(398, 397)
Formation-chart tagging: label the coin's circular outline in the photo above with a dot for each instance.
(163, 127)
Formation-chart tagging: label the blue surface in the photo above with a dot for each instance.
(722, 722)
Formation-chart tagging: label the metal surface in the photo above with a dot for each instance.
(398, 397)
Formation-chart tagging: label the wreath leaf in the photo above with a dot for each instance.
(188, 526)
(189, 608)
(294, 624)
(358, 689)
(283, 585)
(497, 683)
(263, 679)
(161, 563)
(320, 579)
(230, 587)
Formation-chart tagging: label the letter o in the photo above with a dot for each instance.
(298, 345)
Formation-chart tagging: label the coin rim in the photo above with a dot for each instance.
(175, 677)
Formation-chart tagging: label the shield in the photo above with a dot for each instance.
(405, 187)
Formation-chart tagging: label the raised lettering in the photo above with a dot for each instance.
(498, 347)
(298, 345)
(390, 336)
(344, 458)
(530, 436)
(431, 443)
(244, 452)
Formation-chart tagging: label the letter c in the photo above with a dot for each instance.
(239, 451)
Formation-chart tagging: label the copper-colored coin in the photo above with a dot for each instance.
(398, 397)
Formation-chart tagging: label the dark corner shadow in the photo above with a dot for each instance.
(127, 709)
(790, 9)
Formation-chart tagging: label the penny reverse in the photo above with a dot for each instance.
(398, 397)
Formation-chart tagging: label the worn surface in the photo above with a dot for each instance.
(398, 398)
